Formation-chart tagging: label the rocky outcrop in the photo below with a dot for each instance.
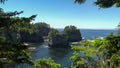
(70, 34)
(58, 41)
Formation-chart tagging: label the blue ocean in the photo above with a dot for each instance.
(93, 33)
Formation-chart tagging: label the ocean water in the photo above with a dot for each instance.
(61, 55)
(93, 33)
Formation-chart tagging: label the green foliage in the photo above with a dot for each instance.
(118, 29)
(107, 3)
(42, 28)
(84, 55)
(14, 53)
(31, 33)
(13, 29)
(6, 18)
(56, 39)
(70, 34)
(30, 37)
(11, 50)
(73, 34)
(46, 63)
(2, 1)
(52, 33)
(79, 1)
(103, 3)
(18, 26)
(97, 53)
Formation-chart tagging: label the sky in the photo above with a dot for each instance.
(61, 13)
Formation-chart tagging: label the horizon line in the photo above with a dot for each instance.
(94, 28)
